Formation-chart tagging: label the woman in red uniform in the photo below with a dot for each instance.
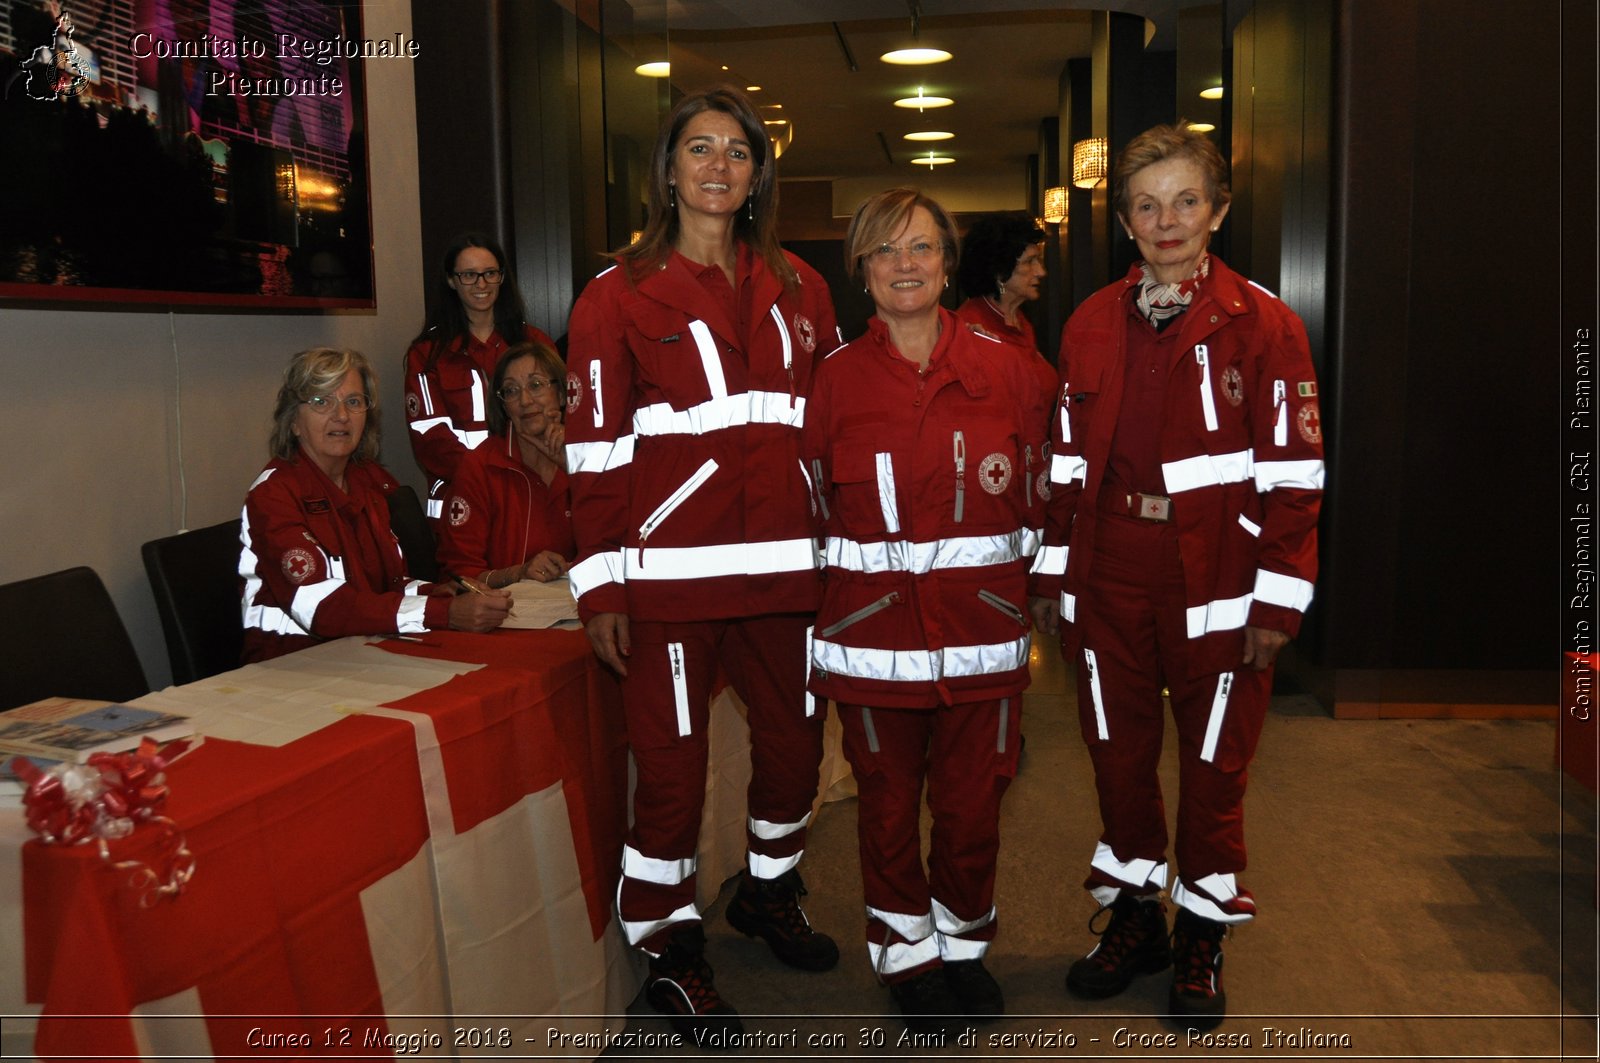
(319, 561)
(690, 361)
(924, 444)
(1002, 266)
(476, 314)
(507, 516)
(1180, 552)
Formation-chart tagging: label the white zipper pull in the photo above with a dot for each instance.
(1280, 433)
(1066, 422)
(1027, 479)
(1208, 403)
(960, 441)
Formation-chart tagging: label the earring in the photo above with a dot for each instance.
(672, 196)
(1000, 288)
(947, 282)
(749, 208)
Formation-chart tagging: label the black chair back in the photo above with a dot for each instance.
(63, 638)
(410, 525)
(195, 578)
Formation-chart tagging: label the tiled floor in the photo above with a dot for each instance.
(1427, 891)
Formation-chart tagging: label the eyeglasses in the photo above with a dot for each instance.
(469, 277)
(891, 252)
(324, 404)
(511, 391)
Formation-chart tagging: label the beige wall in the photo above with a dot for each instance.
(124, 427)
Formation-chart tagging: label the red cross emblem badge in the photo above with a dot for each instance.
(574, 393)
(413, 404)
(1309, 421)
(1041, 484)
(995, 473)
(458, 510)
(1232, 384)
(806, 331)
(299, 564)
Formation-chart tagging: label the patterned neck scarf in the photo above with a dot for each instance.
(1160, 303)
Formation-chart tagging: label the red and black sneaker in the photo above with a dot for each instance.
(770, 909)
(1133, 943)
(1197, 997)
(680, 986)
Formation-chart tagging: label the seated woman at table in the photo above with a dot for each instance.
(319, 561)
(507, 516)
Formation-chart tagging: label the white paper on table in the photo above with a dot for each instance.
(539, 605)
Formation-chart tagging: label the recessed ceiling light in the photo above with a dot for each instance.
(653, 70)
(752, 88)
(929, 134)
(931, 160)
(924, 102)
(1213, 93)
(724, 67)
(915, 56)
(1202, 127)
(775, 121)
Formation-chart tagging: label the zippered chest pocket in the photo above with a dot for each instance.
(864, 493)
(673, 501)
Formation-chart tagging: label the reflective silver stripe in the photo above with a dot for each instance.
(1051, 561)
(412, 616)
(1274, 588)
(811, 488)
(886, 498)
(771, 867)
(901, 956)
(947, 922)
(1208, 404)
(480, 412)
(921, 666)
(1066, 423)
(414, 586)
(869, 729)
(964, 551)
(783, 334)
(303, 607)
(677, 498)
(1220, 887)
(427, 397)
(594, 571)
(910, 927)
(1065, 468)
(726, 411)
(1280, 431)
(811, 699)
(637, 932)
(1094, 694)
(1069, 607)
(1133, 872)
(599, 457)
(1249, 525)
(435, 508)
(1005, 720)
(1207, 470)
(770, 831)
(956, 949)
(680, 687)
(594, 386)
(822, 494)
(1223, 614)
(420, 427)
(707, 562)
(469, 438)
(709, 359)
(1307, 475)
(636, 865)
(1219, 709)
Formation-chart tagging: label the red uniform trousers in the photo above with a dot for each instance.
(967, 755)
(666, 697)
(1134, 629)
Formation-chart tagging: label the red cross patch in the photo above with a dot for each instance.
(1232, 385)
(806, 331)
(299, 564)
(574, 393)
(995, 473)
(458, 511)
(1309, 422)
(413, 405)
(1041, 484)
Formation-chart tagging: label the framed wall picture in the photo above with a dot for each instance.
(200, 152)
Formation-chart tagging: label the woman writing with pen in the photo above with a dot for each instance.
(318, 560)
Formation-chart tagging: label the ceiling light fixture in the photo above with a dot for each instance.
(1202, 127)
(658, 69)
(929, 134)
(1089, 161)
(1215, 92)
(922, 103)
(1055, 204)
(931, 160)
(916, 55)
(752, 88)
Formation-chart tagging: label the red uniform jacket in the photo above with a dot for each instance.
(320, 563)
(981, 312)
(447, 404)
(1241, 459)
(497, 513)
(929, 484)
(683, 444)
